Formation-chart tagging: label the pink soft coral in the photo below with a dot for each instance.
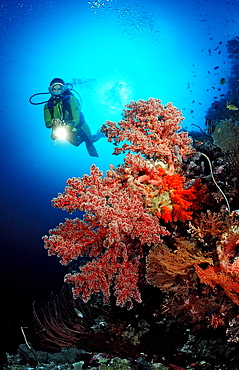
(152, 129)
(113, 232)
(118, 219)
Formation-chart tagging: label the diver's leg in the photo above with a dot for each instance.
(97, 136)
(86, 129)
(82, 119)
(74, 139)
(83, 135)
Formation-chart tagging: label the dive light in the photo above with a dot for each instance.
(61, 133)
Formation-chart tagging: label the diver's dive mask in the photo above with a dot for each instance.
(57, 89)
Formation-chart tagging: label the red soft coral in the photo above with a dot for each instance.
(226, 271)
(107, 271)
(113, 232)
(169, 198)
(118, 219)
(152, 129)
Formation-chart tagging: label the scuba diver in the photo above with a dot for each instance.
(62, 113)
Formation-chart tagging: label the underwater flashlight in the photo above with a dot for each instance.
(61, 133)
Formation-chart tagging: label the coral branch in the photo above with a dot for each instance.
(152, 129)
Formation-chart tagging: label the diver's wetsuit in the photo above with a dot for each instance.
(67, 108)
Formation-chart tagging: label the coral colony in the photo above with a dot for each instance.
(146, 221)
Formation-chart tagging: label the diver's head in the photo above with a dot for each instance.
(57, 87)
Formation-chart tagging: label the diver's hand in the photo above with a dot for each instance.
(57, 122)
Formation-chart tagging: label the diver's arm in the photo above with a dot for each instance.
(47, 117)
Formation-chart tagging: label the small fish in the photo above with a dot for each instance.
(210, 52)
(198, 143)
(216, 67)
(222, 81)
(210, 125)
(78, 312)
(231, 106)
(236, 212)
(219, 169)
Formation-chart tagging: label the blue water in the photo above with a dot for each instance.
(113, 51)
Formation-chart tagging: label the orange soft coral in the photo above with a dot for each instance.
(169, 199)
(225, 272)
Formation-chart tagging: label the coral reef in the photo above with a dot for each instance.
(122, 208)
(226, 135)
(218, 110)
(156, 226)
(233, 48)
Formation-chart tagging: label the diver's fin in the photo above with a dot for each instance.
(91, 149)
